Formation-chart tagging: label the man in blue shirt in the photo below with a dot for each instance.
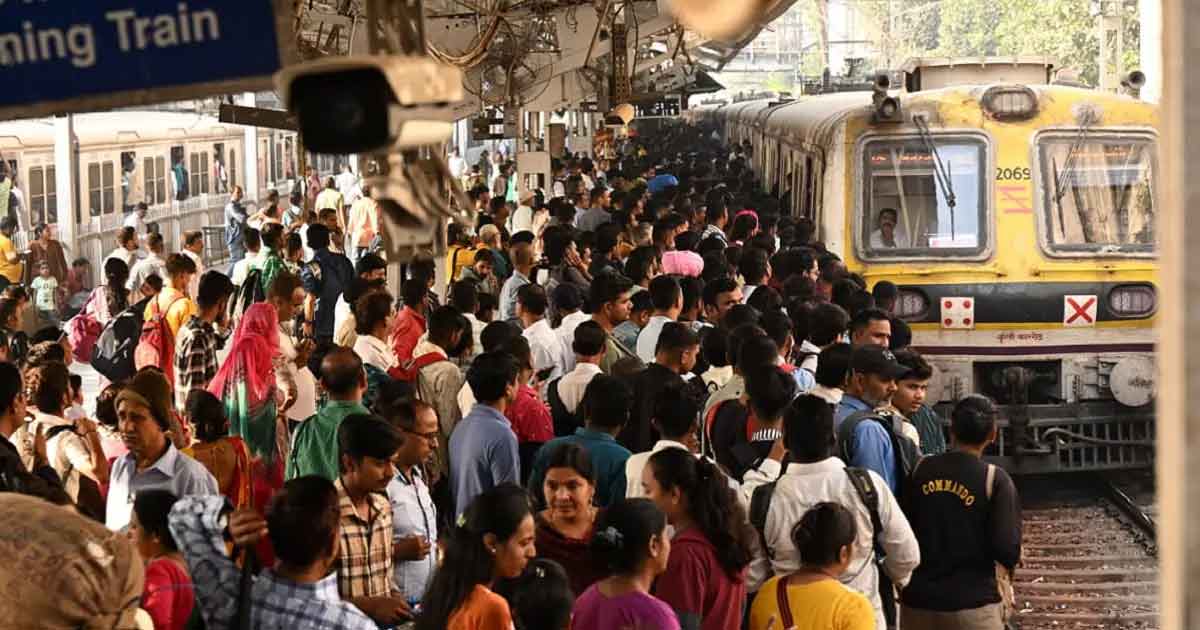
(483, 448)
(873, 374)
(325, 279)
(153, 462)
(606, 403)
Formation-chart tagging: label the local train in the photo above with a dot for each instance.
(182, 165)
(1016, 215)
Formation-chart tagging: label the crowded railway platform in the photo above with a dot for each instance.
(394, 331)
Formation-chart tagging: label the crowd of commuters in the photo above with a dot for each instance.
(653, 401)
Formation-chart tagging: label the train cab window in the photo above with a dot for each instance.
(43, 197)
(906, 210)
(1099, 193)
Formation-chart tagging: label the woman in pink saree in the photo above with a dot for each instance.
(246, 382)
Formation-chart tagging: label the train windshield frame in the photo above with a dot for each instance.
(900, 174)
(1117, 171)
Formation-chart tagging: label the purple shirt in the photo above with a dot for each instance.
(633, 611)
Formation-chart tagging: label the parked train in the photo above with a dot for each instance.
(182, 165)
(1017, 217)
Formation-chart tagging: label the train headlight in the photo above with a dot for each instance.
(1132, 300)
(911, 305)
(1010, 102)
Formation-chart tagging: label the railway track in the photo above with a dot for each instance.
(1089, 553)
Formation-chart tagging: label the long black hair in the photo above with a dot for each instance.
(499, 511)
(116, 274)
(623, 533)
(711, 503)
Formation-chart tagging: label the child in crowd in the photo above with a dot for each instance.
(45, 291)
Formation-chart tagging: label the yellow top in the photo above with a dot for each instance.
(10, 262)
(458, 257)
(331, 198)
(822, 605)
(179, 313)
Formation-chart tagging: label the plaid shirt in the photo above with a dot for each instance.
(195, 357)
(365, 547)
(275, 601)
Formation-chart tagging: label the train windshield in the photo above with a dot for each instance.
(1099, 193)
(924, 197)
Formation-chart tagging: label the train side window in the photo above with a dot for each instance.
(95, 189)
(131, 190)
(108, 188)
(155, 180)
(232, 168)
(199, 174)
(43, 199)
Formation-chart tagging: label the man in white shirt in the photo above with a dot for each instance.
(154, 264)
(889, 234)
(347, 182)
(137, 219)
(127, 247)
(589, 344)
(816, 475)
(414, 516)
(544, 345)
(457, 165)
(252, 241)
(675, 415)
(568, 301)
(193, 247)
(667, 297)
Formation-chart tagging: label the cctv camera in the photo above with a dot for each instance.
(368, 103)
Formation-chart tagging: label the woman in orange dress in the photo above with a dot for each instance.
(225, 456)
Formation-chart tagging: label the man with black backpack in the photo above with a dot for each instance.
(814, 474)
(868, 436)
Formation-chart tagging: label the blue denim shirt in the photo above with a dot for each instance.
(872, 447)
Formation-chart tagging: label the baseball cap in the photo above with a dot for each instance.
(872, 359)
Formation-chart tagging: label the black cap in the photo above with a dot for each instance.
(873, 359)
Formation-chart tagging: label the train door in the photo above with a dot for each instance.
(133, 188)
(198, 169)
(178, 177)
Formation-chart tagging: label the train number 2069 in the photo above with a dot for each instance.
(1009, 174)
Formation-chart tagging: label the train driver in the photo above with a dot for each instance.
(889, 234)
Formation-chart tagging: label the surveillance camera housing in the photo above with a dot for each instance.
(366, 103)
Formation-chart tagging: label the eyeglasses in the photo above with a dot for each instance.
(432, 436)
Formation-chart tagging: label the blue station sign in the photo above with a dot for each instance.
(59, 56)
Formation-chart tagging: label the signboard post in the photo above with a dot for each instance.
(61, 56)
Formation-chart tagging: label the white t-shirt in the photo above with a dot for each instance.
(306, 383)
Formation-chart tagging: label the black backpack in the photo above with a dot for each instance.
(907, 454)
(860, 478)
(113, 355)
(565, 422)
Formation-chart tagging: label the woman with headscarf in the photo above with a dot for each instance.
(246, 382)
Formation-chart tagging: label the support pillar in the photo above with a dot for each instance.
(66, 176)
(1151, 28)
(250, 155)
(1179, 330)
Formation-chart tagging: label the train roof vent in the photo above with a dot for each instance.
(931, 73)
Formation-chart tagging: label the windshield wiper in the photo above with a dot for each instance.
(941, 171)
(1060, 177)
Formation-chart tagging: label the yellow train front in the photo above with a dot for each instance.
(1018, 219)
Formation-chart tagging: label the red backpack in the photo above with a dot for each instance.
(408, 370)
(156, 345)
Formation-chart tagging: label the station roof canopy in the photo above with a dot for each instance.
(541, 54)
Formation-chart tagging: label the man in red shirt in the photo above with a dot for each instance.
(410, 323)
(529, 416)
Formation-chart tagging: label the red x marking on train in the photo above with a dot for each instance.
(1081, 310)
